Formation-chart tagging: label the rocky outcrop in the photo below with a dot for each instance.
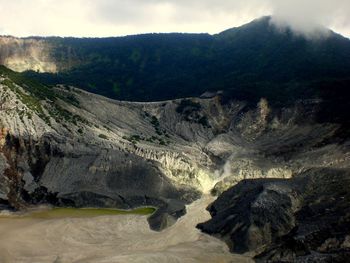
(65, 146)
(21, 54)
(303, 219)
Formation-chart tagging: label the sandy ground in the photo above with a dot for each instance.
(111, 239)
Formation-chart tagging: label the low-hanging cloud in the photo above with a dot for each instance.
(308, 17)
(121, 17)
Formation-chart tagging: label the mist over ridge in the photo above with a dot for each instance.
(116, 18)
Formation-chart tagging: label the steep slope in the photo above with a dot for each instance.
(22, 54)
(263, 52)
(68, 147)
(249, 62)
(303, 219)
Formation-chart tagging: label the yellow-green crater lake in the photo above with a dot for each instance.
(79, 212)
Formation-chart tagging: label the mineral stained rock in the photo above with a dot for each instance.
(67, 147)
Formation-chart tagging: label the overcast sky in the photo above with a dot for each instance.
(124, 17)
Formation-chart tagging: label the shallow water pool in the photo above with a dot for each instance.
(78, 212)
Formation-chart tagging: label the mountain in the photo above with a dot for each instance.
(252, 61)
(66, 147)
(269, 137)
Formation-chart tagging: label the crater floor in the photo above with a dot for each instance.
(121, 238)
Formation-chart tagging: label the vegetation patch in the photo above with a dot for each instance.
(191, 111)
(31, 102)
(187, 107)
(134, 139)
(71, 99)
(103, 136)
(32, 93)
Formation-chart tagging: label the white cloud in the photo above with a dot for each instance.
(122, 17)
(308, 16)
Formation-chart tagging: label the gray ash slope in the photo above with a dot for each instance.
(67, 147)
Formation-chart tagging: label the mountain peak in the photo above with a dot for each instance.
(154, 67)
(262, 22)
(278, 25)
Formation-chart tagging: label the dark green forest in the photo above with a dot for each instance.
(249, 62)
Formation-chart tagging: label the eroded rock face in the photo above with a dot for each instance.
(65, 147)
(46, 172)
(303, 219)
(27, 54)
